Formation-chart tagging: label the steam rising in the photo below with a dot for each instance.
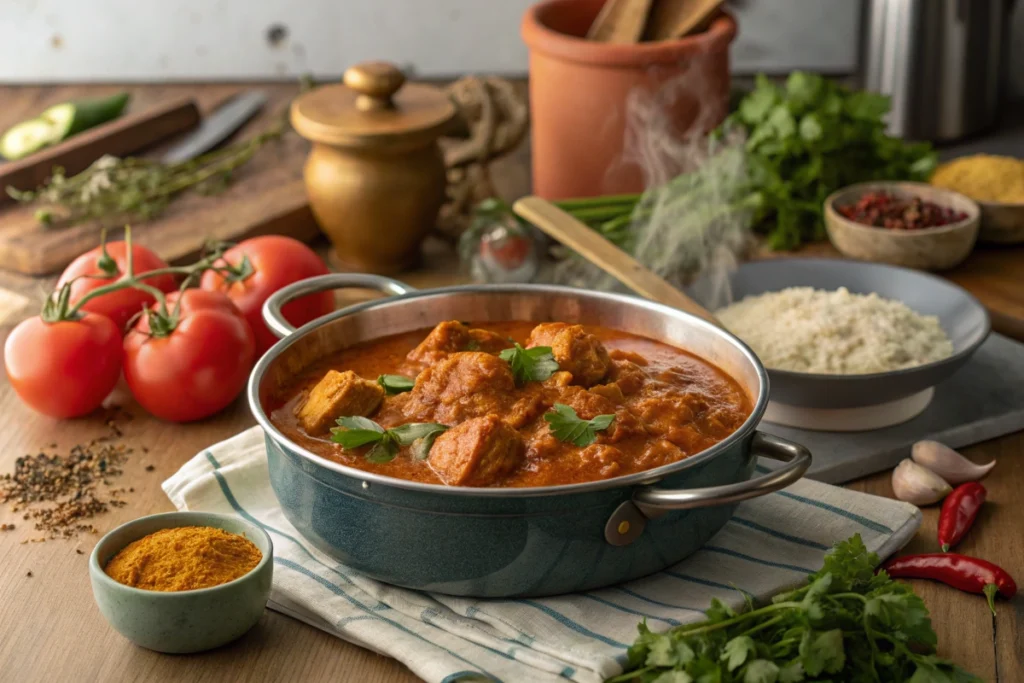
(691, 223)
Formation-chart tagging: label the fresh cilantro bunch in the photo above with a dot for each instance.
(810, 137)
(848, 623)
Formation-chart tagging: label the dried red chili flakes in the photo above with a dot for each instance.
(886, 210)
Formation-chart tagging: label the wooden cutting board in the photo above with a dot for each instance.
(267, 196)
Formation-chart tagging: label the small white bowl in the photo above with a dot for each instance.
(938, 248)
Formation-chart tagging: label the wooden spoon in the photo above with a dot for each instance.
(677, 18)
(620, 21)
(595, 248)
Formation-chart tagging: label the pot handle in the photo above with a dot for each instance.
(272, 306)
(650, 502)
(652, 499)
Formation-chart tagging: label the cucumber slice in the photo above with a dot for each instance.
(74, 117)
(62, 116)
(28, 137)
(60, 122)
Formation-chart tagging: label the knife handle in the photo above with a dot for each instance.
(122, 136)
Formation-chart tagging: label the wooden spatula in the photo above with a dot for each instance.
(620, 21)
(677, 18)
(595, 248)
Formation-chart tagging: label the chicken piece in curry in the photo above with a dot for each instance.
(510, 404)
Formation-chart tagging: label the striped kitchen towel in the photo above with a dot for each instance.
(772, 543)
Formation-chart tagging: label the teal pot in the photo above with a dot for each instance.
(505, 542)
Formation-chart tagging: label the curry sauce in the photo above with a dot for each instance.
(667, 404)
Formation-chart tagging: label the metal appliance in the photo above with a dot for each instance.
(943, 62)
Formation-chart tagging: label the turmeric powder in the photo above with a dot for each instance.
(983, 177)
(183, 559)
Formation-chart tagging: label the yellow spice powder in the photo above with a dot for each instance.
(984, 177)
(182, 559)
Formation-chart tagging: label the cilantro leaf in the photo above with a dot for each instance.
(354, 432)
(419, 435)
(812, 599)
(852, 567)
(737, 650)
(383, 451)
(567, 426)
(793, 672)
(719, 611)
(396, 384)
(530, 365)
(407, 433)
(931, 669)
(904, 615)
(761, 671)
(358, 431)
(674, 676)
(822, 651)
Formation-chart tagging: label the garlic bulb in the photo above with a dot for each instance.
(947, 463)
(918, 485)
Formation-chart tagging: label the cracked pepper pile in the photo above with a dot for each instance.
(60, 494)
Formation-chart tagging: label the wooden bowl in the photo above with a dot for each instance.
(1001, 223)
(937, 248)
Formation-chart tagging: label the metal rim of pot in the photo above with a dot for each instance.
(650, 499)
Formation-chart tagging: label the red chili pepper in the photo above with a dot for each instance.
(965, 573)
(958, 513)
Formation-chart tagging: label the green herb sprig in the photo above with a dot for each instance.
(848, 623)
(805, 139)
(567, 426)
(396, 384)
(354, 432)
(530, 365)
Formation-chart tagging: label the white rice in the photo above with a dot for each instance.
(838, 333)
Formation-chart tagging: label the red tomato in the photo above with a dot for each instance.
(67, 368)
(121, 305)
(200, 367)
(277, 261)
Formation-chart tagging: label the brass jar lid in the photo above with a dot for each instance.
(373, 105)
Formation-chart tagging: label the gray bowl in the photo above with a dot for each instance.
(182, 621)
(962, 317)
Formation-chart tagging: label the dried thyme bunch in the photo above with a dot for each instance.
(128, 189)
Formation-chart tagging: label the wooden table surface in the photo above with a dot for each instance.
(52, 630)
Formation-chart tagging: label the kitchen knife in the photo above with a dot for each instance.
(217, 127)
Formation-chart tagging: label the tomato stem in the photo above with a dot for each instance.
(57, 306)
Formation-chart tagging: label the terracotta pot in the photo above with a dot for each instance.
(579, 91)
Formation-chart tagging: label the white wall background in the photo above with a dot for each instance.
(118, 40)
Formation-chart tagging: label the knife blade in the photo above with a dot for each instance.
(217, 127)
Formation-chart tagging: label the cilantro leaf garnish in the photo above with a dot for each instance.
(567, 426)
(353, 432)
(396, 384)
(847, 623)
(530, 365)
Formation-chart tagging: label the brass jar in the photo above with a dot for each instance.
(375, 176)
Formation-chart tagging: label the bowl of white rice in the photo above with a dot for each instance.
(850, 336)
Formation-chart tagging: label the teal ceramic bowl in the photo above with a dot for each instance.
(182, 621)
